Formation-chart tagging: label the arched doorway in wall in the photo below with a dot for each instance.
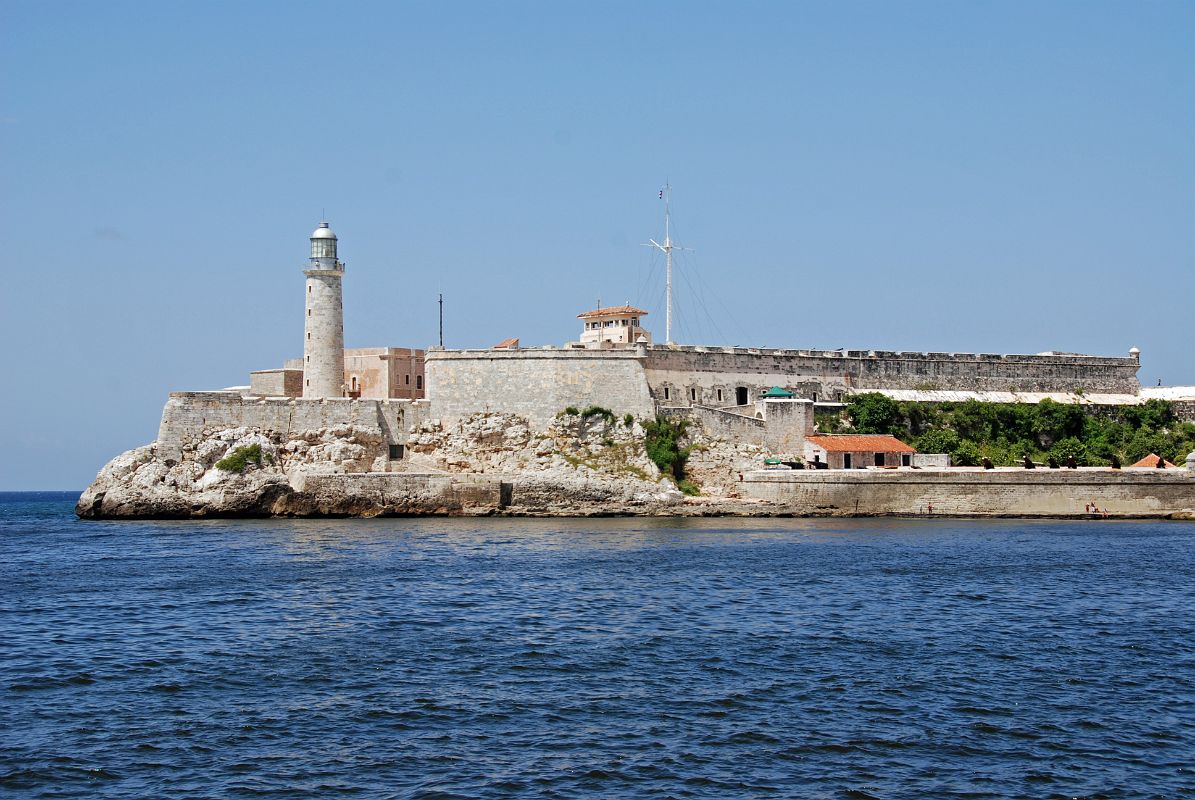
(740, 395)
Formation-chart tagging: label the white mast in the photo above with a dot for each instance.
(667, 247)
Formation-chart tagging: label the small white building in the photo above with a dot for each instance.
(857, 451)
(615, 325)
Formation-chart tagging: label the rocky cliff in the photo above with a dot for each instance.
(485, 463)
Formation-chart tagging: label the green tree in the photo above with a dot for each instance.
(966, 455)
(872, 412)
(1143, 442)
(1152, 414)
(663, 446)
(937, 441)
(975, 421)
(1054, 421)
(1068, 448)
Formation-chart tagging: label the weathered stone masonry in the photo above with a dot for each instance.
(1019, 493)
(536, 384)
(696, 375)
(188, 414)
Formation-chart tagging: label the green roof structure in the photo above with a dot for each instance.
(776, 391)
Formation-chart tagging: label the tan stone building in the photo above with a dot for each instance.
(614, 325)
(380, 373)
(372, 373)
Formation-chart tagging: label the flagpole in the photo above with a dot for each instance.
(667, 248)
(668, 261)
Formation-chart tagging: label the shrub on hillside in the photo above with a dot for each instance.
(240, 458)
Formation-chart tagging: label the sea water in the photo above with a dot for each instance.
(636, 658)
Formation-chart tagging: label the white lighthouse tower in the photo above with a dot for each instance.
(323, 341)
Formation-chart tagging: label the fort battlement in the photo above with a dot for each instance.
(188, 414)
(719, 375)
(538, 383)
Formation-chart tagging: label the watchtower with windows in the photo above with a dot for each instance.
(614, 325)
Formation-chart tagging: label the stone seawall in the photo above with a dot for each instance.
(1014, 493)
(536, 384)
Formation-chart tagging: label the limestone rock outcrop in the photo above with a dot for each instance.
(139, 483)
(583, 465)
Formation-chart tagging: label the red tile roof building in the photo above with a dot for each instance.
(857, 451)
(1152, 460)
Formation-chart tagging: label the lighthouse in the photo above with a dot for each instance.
(323, 340)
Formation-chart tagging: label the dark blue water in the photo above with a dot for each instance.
(594, 658)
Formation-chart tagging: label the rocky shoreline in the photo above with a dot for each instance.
(488, 464)
(494, 464)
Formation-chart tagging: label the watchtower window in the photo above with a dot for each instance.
(719, 395)
(667, 393)
(740, 395)
(418, 381)
(693, 394)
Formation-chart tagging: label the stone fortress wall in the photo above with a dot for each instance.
(187, 414)
(696, 375)
(537, 384)
(720, 388)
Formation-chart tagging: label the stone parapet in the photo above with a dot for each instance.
(830, 374)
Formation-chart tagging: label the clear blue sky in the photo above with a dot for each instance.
(997, 177)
